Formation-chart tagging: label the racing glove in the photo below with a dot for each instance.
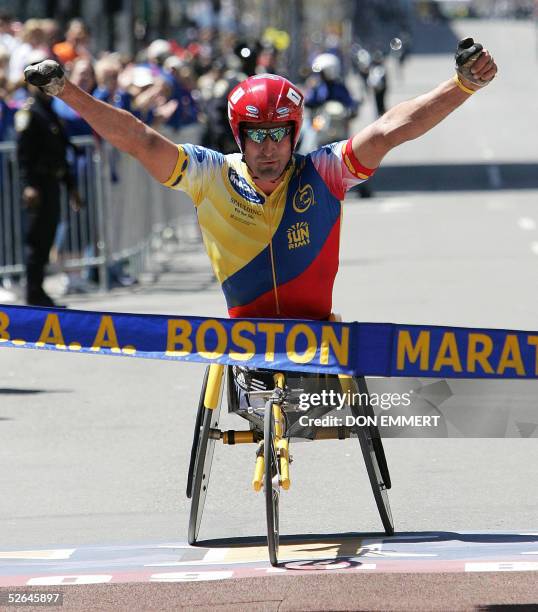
(48, 75)
(466, 55)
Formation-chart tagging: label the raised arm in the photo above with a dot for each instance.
(413, 118)
(122, 129)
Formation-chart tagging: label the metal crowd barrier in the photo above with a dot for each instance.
(124, 209)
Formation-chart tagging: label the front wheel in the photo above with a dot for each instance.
(271, 483)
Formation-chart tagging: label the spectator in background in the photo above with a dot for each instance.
(51, 34)
(42, 157)
(107, 72)
(32, 39)
(267, 60)
(377, 81)
(76, 43)
(330, 84)
(6, 110)
(186, 112)
(217, 84)
(83, 75)
(157, 52)
(7, 40)
(156, 104)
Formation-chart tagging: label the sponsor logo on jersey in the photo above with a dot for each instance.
(241, 187)
(303, 199)
(298, 235)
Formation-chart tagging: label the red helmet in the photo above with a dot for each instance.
(265, 98)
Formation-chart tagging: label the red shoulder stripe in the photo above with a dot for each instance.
(353, 164)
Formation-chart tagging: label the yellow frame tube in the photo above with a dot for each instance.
(282, 446)
(214, 383)
(257, 481)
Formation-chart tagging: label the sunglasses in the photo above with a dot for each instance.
(276, 134)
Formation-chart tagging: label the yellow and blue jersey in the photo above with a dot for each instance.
(275, 256)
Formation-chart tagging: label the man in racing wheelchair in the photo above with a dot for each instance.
(270, 220)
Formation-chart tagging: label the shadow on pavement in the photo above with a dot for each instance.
(348, 542)
(7, 391)
(21, 391)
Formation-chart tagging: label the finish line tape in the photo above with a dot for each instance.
(366, 349)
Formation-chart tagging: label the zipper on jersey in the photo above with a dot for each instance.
(274, 276)
(268, 212)
(275, 291)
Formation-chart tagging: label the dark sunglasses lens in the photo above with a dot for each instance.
(257, 136)
(275, 134)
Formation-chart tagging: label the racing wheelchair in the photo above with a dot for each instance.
(270, 402)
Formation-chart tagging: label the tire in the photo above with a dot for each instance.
(196, 436)
(202, 468)
(373, 469)
(376, 437)
(272, 492)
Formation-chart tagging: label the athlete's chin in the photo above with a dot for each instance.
(269, 171)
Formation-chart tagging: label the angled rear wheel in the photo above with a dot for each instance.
(205, 448)
(372, 452)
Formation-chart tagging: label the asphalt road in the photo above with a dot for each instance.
(95, 449)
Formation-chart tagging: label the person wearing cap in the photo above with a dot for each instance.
(330, 84)
(42, 158)
(270, 218)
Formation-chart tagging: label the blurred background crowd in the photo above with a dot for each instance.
(176, 62)
(172, 64)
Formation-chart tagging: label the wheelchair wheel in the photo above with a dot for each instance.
(376, 437)
(271, 483)
(374, 472)
(196, 436)
(202, 464)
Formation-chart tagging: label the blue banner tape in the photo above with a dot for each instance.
(309, 346)
(368, 349)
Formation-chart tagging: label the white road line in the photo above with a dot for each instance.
(500, 566)
(35, 555)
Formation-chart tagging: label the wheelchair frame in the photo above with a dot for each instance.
(271, 471)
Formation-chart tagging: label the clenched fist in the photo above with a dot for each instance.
(474, 63)
(48, 75)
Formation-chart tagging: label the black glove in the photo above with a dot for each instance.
(48, 75)
(466, 55)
